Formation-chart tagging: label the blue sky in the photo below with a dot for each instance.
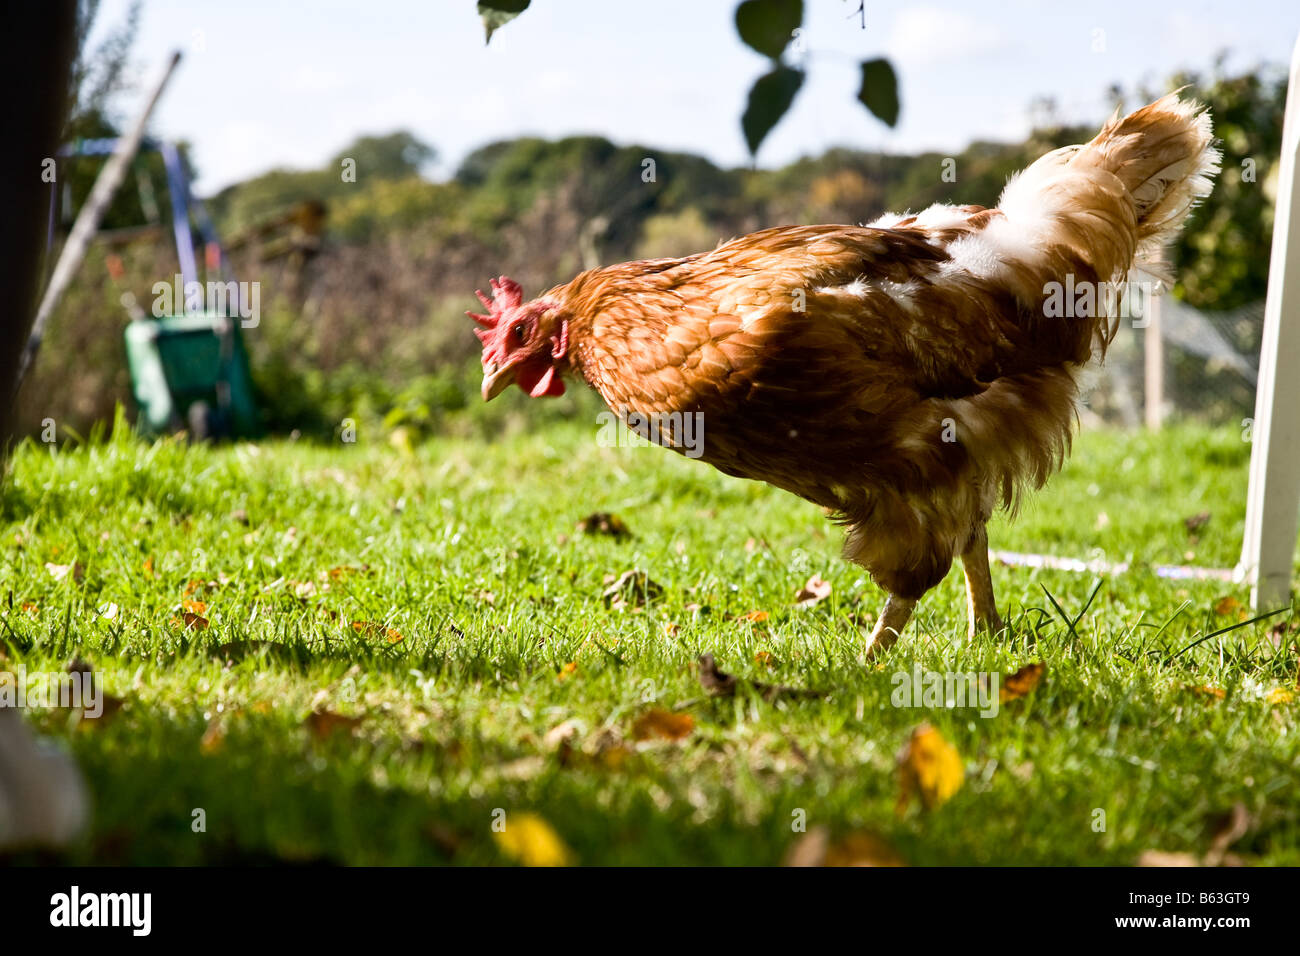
(268, 83)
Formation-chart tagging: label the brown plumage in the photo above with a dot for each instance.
(911, 375)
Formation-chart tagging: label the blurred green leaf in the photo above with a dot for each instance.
(879, 91)
(769, 99)
(497, 13)
(768, 25)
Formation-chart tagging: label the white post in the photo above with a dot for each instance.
(1273, 503)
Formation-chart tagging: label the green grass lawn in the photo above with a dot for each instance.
(468, 552)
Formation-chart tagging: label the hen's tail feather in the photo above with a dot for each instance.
(1116, 202)
(1165, 156)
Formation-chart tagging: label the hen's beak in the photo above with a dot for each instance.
(496, 379)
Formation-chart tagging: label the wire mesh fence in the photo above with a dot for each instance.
(1204, 367)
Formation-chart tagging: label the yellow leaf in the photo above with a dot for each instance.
(1230, 606)
(657, 722)
(532, 841)
(1280, 695)
(929, 767)
(567, 671)
(1017, 685)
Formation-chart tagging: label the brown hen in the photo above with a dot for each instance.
(912, 375)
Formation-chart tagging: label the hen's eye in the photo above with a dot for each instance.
(518, 332)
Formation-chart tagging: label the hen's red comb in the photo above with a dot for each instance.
(506, 294)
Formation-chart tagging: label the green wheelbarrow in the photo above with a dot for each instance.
(191, 372)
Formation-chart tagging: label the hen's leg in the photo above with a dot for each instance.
(981, 610)
(890, 624)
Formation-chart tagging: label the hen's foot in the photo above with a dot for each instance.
(890, 624)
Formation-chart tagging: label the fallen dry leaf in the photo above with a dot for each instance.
(1204, 690)
(930, 768)
(523, 768)
(664, 724)
(631, 589)
(605, 751)
(371, 629)
(108, 709)
(1225, 828)
(815, 590)
(325, 723)
(345, 570)
(720, 684)
(214, 736)
(1277, 634)
(860, 848)
(190, 621)
(1196, 522)
(1161, 858)
(530, 840)
(602, 522)
(561, 733)
(1227, 605)
(717, 683)
(809, 849)
(567, 671)
(60, 571)
(1279, 695)
(1228, 828)
(1017, 685)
